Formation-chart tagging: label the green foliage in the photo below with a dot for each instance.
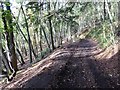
(1, 30)
(102, 34)
(7, 15)
(7, 3)
(1, 25)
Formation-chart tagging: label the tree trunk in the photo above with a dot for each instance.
(0, 54)
(29, 39)
(45, 36)
(41, 42)
(10, 38)
(50, 25)
(12, 44)
(104, 7)
(20, 56)
(118, 31)
(25, 39)
(6, 61)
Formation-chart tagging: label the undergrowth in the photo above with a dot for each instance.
(103, 34)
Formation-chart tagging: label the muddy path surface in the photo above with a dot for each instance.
(74, 65)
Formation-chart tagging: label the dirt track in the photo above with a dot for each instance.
(72, 66)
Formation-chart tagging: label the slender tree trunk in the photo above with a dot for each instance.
(104, 7)
(41, 40)
(41, 43)
(118, 32)
(29, 39)
(0, 53)
(61, 33)
(40, 31)
(50, 25)
(18, 51)
(34, 42)
(45, 37)
(25, 39)
(20, 56)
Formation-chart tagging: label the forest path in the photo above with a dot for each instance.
(75, 65)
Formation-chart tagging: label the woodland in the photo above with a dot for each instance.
(59, 44)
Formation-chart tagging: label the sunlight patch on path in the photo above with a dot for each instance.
(108, 53)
